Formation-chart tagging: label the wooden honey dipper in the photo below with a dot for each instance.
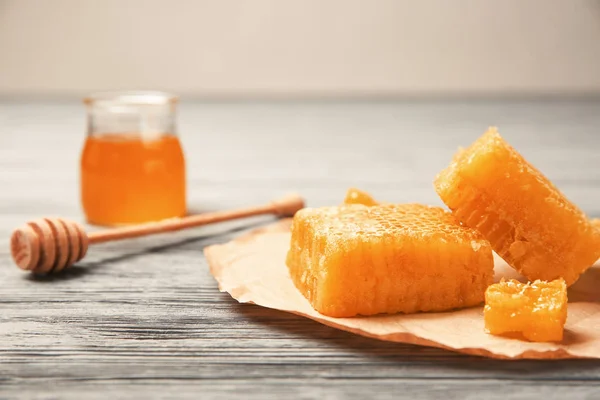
(49, 245)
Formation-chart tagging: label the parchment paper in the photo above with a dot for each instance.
(252, 270)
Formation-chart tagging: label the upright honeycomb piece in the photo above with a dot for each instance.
(357, 196)
(537, 310)
(528, 221)
(359, 260)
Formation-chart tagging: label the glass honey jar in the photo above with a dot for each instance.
(132, 167)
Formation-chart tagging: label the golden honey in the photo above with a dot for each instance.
(360, 260)
(536, 310)
(530, 224)
(126, 179)
(357, 196)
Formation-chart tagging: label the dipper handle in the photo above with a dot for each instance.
(49, 245)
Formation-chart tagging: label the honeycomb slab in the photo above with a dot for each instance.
(528, 221)
(536, 310)
(359, 260)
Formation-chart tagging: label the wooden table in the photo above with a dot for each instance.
(144, 318)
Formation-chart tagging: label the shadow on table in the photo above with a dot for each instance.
(402, 354)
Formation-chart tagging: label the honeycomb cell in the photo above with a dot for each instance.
(536, 310)
(490, 187)
(360, 260)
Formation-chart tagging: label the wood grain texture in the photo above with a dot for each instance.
(143, 318)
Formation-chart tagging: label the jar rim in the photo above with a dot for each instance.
(131, 97)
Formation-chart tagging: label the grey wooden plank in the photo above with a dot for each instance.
(319, 388)
(144, 318)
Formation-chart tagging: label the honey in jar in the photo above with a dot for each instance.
(132, 164)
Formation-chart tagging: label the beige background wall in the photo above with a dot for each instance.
(303, 47)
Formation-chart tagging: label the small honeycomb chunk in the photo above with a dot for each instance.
(528, 221)
(357, 196)
(359, 260)
(537, 310)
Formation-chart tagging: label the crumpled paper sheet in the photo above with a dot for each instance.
(252, 269)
